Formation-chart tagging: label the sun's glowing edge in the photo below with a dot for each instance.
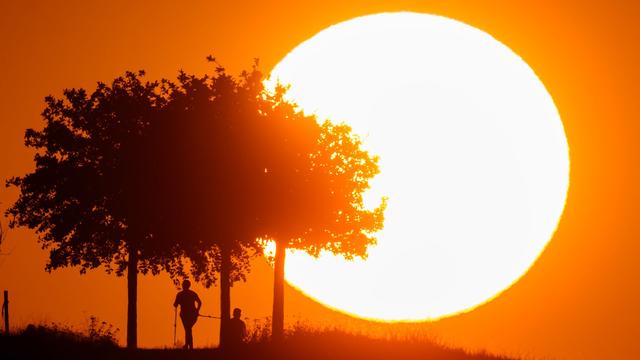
(565, 186)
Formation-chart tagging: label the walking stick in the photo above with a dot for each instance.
(175, 318)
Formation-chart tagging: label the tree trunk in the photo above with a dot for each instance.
(225, 295)
(132, 299)
(277, 330)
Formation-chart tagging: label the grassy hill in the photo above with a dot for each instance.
(52, 342)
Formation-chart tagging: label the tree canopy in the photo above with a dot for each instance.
(234, 163)
(316, 174)
(139, 175)
(77, 198)
(73, 198)
(200, 165)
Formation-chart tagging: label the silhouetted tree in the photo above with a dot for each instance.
(201, 154)
(242, 164)
(78, 198)
(315, 177)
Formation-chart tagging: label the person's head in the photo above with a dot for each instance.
(186, 284)
(236, 313)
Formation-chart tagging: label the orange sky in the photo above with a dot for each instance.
(579, 301)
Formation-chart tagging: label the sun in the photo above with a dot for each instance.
(473, 158)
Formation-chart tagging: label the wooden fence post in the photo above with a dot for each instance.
(5, 312)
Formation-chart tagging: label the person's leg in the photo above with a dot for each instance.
(186, 324)
(188, 335)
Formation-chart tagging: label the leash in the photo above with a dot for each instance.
(209, 316)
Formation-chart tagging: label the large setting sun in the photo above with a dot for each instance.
(473, 158)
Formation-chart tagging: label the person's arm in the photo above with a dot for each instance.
(175, 303)
(198, 304)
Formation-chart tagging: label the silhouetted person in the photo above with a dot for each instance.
(189, 309)
(237, 329)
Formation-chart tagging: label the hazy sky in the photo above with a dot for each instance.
(580, 300)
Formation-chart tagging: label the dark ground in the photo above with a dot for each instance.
(42, 342)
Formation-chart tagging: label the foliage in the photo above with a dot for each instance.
(137, 175)
(194, 157)
(56, 338)
(302, 341)
(79, 197)
(76, 199)
(305, 341)
(102, 331)
(259, 332)
(313, 184)
(315, 197)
